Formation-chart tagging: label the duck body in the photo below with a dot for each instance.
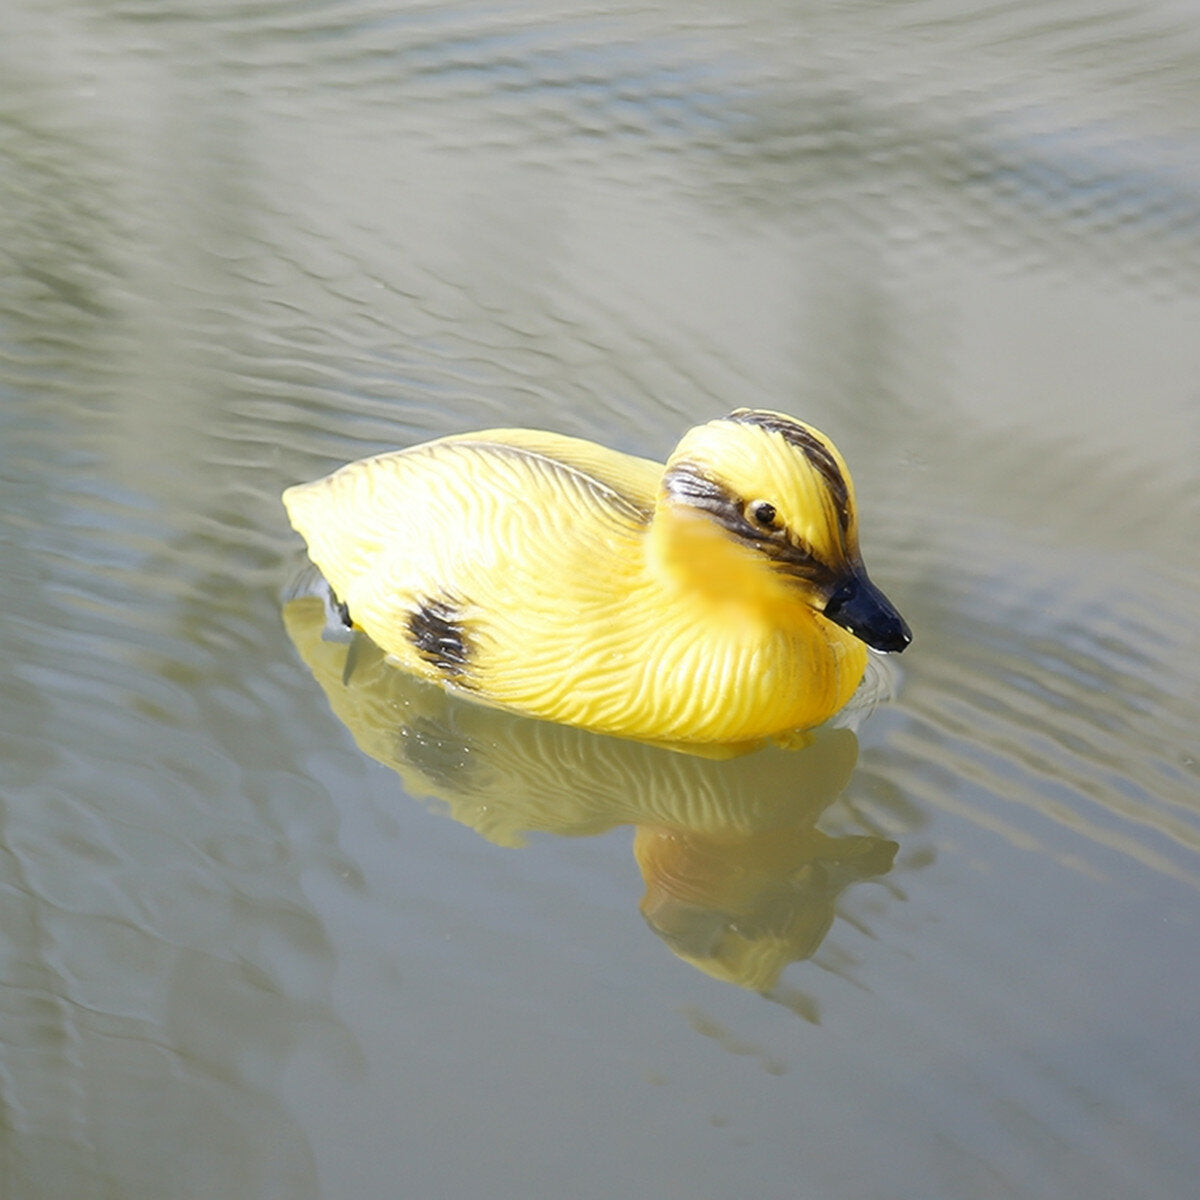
(553, 576)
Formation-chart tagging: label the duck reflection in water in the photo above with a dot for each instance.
(739, 882)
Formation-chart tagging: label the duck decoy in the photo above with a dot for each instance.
(720, 598)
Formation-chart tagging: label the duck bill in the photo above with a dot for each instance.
(859, 606)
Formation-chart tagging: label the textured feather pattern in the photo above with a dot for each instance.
(528, 569)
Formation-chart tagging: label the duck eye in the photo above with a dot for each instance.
(763, 513)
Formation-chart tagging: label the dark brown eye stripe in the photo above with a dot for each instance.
(796, 435)
(685, 483)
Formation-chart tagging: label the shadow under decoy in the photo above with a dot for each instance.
(739, 881)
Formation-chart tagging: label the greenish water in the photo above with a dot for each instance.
(265, 933)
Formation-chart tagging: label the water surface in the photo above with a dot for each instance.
(267, 933)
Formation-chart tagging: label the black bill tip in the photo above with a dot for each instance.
(859, 606)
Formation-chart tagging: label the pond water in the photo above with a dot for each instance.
(271, 932)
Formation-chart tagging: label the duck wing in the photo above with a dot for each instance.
(514, 534)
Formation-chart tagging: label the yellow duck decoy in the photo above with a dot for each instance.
(720, 598)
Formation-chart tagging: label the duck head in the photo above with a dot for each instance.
(761, 504)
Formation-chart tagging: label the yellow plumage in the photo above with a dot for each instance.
(710, 600)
